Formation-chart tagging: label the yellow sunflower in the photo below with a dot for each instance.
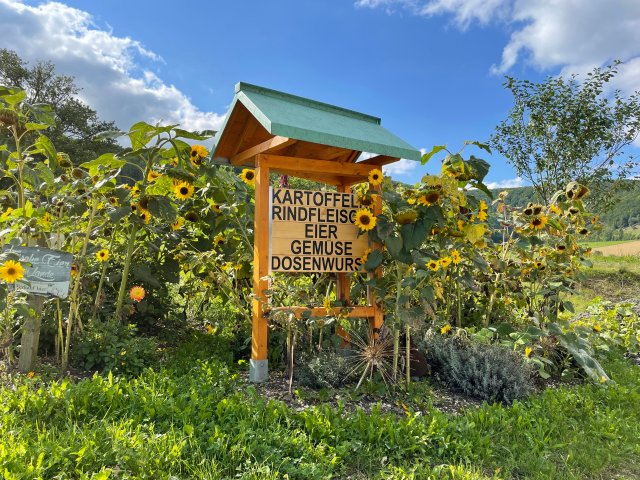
(365, 256)
(102, 255)
(365, 220)
(248, 176)
(113, 201)
(483, 215)
(445, 262)
(538, 223)
(219, 240)
(215, 208)
(152, 175)
(145, 215)
(554, 209)
(74, 270)
(433, 265)
(445, 329)
(198, 152)
(422, 200)
(11, 271)
(375, 177)
(455, 257)
(177, 225)
(183, 190)
(528, 351)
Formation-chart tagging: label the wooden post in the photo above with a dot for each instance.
(258, 365)
(31, 334)
(376, 321)
(343, 289)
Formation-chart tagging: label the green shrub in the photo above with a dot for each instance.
(326, 369)
(111, 347)
(489, 372)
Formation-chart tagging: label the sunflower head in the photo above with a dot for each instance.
(455, 257)
(432, 196)
(445, 329)
(433, 265)
(445, 262)
(183, 190)
(145, 216)
(407, 216)
(538, 223)
(215, 208)
(248, 176)
(365, 220)
(219, 240)
(152, 175)
(198, 152)
(11, 271)
(74, 270)
(102, 255)
(192, 216)
(375, 177)
(365, 256)
(177, 225)
(528, 211)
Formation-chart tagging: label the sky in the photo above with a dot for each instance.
(433, 70)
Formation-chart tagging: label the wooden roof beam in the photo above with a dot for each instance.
(322, 167)
(271, 144)
(378, 160)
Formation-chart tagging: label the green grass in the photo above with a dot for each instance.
(614, 278)
(604, 243)
(195, 418)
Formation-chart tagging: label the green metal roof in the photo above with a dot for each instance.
(307, 120)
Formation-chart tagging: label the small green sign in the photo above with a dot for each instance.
(47, 272)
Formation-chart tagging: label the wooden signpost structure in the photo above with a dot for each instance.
(298, 231)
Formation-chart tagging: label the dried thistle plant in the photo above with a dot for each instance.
(372, 355)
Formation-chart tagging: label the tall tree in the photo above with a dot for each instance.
(76, 124)
(564, 129)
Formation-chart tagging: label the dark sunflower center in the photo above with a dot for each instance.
(432, 197)
(536, 222)
(364, 219)
(184, 190)
(249, 176)
(11, 271)
(194, 153)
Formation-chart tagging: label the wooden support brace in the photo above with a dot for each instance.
(354, 312)
(271, 144)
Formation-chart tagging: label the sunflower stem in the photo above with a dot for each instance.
(125, 271)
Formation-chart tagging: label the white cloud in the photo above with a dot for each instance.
(507, 183)
(574, 35)
(401, 167)
(110, 69)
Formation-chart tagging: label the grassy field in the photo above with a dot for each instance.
(604, 243)
(631, 248)
(195, 417)
(613, 278)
